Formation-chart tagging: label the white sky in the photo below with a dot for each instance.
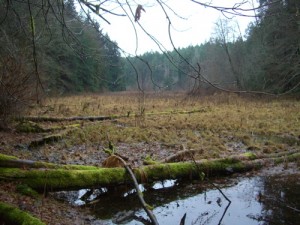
(196, 28)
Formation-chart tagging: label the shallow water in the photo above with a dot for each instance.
(260, 199)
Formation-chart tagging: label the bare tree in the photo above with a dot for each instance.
(225, 33)
(129, 9)
(103, 9)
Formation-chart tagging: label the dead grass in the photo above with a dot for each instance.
(157, 127)
(220, 125)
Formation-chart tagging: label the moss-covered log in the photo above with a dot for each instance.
(61, 179)
(60, 119)
(12, 215)
(32, 127)
(101, 118)
(48, 139)
(14, 162)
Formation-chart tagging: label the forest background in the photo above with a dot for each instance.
(53, 49)
(50, 48)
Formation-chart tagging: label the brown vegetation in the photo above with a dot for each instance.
(171, 127)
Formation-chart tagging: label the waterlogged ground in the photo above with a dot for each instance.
(270, 196)
(154, 128)
(163, 124)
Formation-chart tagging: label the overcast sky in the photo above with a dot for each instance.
(195, 26)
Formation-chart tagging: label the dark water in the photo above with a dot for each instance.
(267, 199)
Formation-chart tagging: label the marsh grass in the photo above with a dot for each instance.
(214, 122)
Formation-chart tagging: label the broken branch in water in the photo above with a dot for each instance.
(145, 206)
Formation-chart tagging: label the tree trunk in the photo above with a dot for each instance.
(92, 177)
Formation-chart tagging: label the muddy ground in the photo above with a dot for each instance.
(218, 127)
(53, 211)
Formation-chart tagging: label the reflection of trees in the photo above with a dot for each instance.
(280, 200)
(154, 197)
(278, 196)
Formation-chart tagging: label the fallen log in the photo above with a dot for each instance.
(48, 139)
(14, 162)
(62, 179)
(181, 155)
(60, 119)
(12, 215)
(186, 155)
(101, 118)
(27, 126)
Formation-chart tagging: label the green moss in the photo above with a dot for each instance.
(29, 127)
(7, 157)
(26, 190)
(58, 179)
(66, 179)
(249, 155)
(38, 164)
(149, 161)
(78, 167)
(150, 207)
(168, 170)
(189, 169)
(13, 215)
(288, 158)
(223, 166)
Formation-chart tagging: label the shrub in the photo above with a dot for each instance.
(16, 89)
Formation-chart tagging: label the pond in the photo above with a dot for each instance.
(266, 198)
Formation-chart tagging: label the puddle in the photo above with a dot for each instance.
(262, 199)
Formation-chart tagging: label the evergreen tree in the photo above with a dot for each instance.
(276, 38)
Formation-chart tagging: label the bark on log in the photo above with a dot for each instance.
(62, 179)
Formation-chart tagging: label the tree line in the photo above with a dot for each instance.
(266, 59)
(70, 50)
(51, 47)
